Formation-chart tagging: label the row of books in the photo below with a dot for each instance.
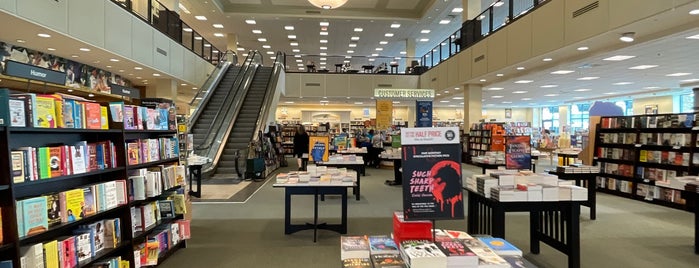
(618, 138)
(577, 168)
(32, 163)
(148, 215)
(155, 117)
(667, 139)
(664, 157)
(524, 186)
(38, 214)
(650, 121)
(616, 169)
(645, 191)
(657, 174)
(56, 111)
(318, 175)
(453, 249)
(69, 251)
(164, 238)
(150, 150)
(153, 181)
(616, 153)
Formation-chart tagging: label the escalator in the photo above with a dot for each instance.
(201, 126)
(245, 123)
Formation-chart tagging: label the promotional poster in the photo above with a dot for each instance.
(518, 152)
(319, 146)
(384, 113)
(424, 113)
(432, 186)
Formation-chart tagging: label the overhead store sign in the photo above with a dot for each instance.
(397, 93)
(32, 72)
(125, 91)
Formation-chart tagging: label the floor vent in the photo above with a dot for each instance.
(586, 9)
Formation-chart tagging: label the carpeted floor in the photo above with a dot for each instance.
(627, 233)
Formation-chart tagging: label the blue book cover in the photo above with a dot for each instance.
(78, 115)
(101, 198)
(100, 156)
(34, 216)
(162, 123)
(382, 244)
(69, 113)
(6, 264)
(500, 246)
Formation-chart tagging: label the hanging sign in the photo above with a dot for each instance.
(17, 69)
(424, 113)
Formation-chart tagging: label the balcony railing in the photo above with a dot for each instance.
(359, 64)
(169, 23)
(493, 18)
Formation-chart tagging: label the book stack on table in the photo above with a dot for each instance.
(577, 168)
(391, 153)
(344, 158)
(353, 150)
(492, 157)
(524, 186)
(318, 175)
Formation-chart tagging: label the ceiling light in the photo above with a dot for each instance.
(438, 94)
(84, 49)
(609, 93)
(183, 84)
(525, 99)
(257, 31)
(352, 45)
(562, 72)
(519, 92)
(198, 38)
(586, 78)
(324, 101)
(520, 68)
(138, 68)
(324, 23)
(690, 80)
(323, 54)
(189, 30)
(694, 12)
(498, 3)
(73, 56)
(547, 59)
(21, 41)
(297, 56)
(549, 86)
(300, 64)
(354, 38)
(444, 101)
(218, 26)
(583, 48)
(506, 102)
(358, 102)
(348, 57)
(114, 60)
(266, 46)
(322, 63)
(395, 26)
(499, 75)
(678, 74)
(262, 39)
(619, 58)
(289, 28)
(444, 21)
(323, 48)
(323, 33)
(245, 54)
(383, 42)
(299, 60)
(323, 58)
(497, 97)
(622, 83)
(294, 44)
(121, 71)
(550, 95)
(457, 10)
(350, 51)
(345, 61)
(425, 31)
(323, 41)
(207, 45)
(483, 80)
(296, 50)
(250, 22)
(240, 49)
(643, 67)
(358, 29)
(388, 35)
(156, 74)
(270, 52)
(696, 36)
(51, 49)
(201, 17)
(291, 36)
(496, 88)
(44, 35)
(458, 98)
(372, 59)
(424, 39)
(582, 89)
(375, 54)
(523, 81)
(651, 88)
(396, 102)
(403, 52)
(627, 37)
(578, 98)
(379, 49)
(289, 102)
(109, 66)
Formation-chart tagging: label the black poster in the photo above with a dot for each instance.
(432, 187)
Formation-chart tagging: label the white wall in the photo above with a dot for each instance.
(664, 104)
(518, 115)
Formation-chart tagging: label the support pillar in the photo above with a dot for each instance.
(473, 104)
(696, 98)
(471, 9)
(232, 45)
(563, 115)
(163, 88)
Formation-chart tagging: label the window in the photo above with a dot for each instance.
(550, 118)
(626, 106)
(686, 103)
(579, 116)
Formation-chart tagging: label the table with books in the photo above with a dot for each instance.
(397, 164)
(323, 181)
(553, 206)
(346, 161)
(585, 176)
(363, 152)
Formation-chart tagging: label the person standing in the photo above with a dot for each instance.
(301, 141)
(377, 148)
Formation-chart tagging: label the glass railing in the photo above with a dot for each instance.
(350, 64)
(493, 18)
(169, 23)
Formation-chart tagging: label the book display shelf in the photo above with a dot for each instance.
(288, 132)
(640, 156)
(74, 188)
(485, 137)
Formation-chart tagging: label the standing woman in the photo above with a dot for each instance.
(300, 145)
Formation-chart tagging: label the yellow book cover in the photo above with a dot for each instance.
(75, 201)
(51, 254)
(642, 157)
(1, 231)
(45, 112)
(180, 206)
(58, 103)
(105, 117)
(124, 264)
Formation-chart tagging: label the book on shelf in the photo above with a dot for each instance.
(18, 112)
(184, 227)
(356, 263)
(166, 208)
(112, 232)
(83, 245)
(45, 112)
(387, 261)
(88, 208)
(179, 203)
(354, 247)
(32, 256)
(51, 259)
(486, 256)
(458, 255)
(6, 264)
(501, 246)
(422, 253)
(53, 209)
(72, 202)
(67, 252)
(31, 216)
(382, 244)
(19, 167)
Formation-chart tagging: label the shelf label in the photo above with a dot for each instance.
(17, 69)
(125, 91)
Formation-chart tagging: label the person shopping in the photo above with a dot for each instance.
(376, 149)
(301, 141)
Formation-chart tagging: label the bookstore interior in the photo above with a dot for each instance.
(105, 168)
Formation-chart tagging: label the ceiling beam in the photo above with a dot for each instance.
(305, 12)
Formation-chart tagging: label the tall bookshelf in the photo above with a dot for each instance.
(287, 136)
(484, 137)
(639, 156)
(12, 191)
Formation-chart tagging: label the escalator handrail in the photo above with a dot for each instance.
(210, 84)
(235, 88)
(278, 66)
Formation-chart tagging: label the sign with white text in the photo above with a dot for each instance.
(17, 69)
(432, 135)
(398, 93)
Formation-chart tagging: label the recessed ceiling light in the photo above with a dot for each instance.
(550, 95)
(250, 22)
(323, 33)
(291, 36)
(352, 45)
(375, 54)
(519, 92)
(651, 88)
(323, 54)
(424, 39)
(297, 56)
(643, 67)
(109, 66)
(262, 39)
(586, 78)
(523, 81)
(520, 68)
(138, 68)
(609, 93)
(525, 99)
(497, 97)
(583, 48)
(245, 54)
(696, 36)
(21, 41)
(257, 31)
(619, 58)
(296, 50)
(218, 26)
(348, 57)
(354, 38)
(689, 80)
(379, 49)
(372, 59)
(270, 52)
(323, 41)
(496, 88)
(299, 60)
(198, 38)
(425, 31)
(121, 71)
(483, 80)
(383, 42)
(403, 52)
(506, 102)
(694, 12)
(458, 98)
(44, 35)
(578, 98)
(289, 102)
(156, 74)
(562, 72)
(388, 35)
(207, 45)
(323, 48)
(358, 29)
(324, 23)
(289, 28)
(395, 25)
(582, 89)
(444, 101)
(200, 17)
(73, 56)
(396, 102)
(84, 49)
(266, 46)
(189, 30)
(350, 51)
(444, 21)
(300, 64)
(678, 74)
(240, 49)
(498, 3)
(438, 94)
(358, 102)
(627, 37)
(549, 86)
(499, 75)
(547, 59)
(183, 84)
(114, 60)
(457, 10)
(322, 63)
(323, 59)
(51, 49)
(622, 83)
(446, 91)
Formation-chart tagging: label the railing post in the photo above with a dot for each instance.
(490, 19)
(511, 11)
(150, 12)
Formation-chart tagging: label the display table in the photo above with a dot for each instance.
(363, 153)
(690, 197)
(588, 178)
(485, 166)
(315, 190)
(195, 175)
(554, 223)
(356, 166)
(568, 158)
(397, 165)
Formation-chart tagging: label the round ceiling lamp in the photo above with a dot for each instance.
(328, 4)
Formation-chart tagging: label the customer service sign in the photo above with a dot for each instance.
(397, 93)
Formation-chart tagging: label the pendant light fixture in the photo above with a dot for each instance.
(328, 4)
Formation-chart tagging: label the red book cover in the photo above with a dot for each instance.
(66, 160)
(56, 161)
(92, 154)
(133, 151)
(93, 115)
(68, 257)
(184, 229)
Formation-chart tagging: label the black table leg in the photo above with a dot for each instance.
(534, 230)
(356, 190)
(472, 218)
(573, 234)
(592, 196)
(696, 226)
(483, 168)
(343, 223)
(498, 221)
(315, 215)
(287, 211)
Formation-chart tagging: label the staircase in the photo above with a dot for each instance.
(244, 126)
(201, 126)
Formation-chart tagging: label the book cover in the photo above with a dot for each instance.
(456, 248)
(98, 236)
(69, 113)
(138, 116)
(74, 202)
(92, 157)
(382, 245)
(163, 240)
(175, 233)
(93, 115)
(500, 246)
(78, 157)
(89, 207)
(18, 115)
(184, 229)
(53, 209)
(104, 118)
(66, 159)
(112, 233)
(34, 216)
(133, 152)
(151, 123)
(136, 221)
(353, 247)
(83, 244)
(45, 112)
(356, 263)
(51, 254)
(18, 166)
(110, 195)
(30, 106)
(55, 161)
(152, 252)
(129, 120)
(116, 109)
(68, 257)
(32, 256)
(387, 261)
(179, 203)
(166, 208)
(43, 157)
(121, 192)
(78, 115)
